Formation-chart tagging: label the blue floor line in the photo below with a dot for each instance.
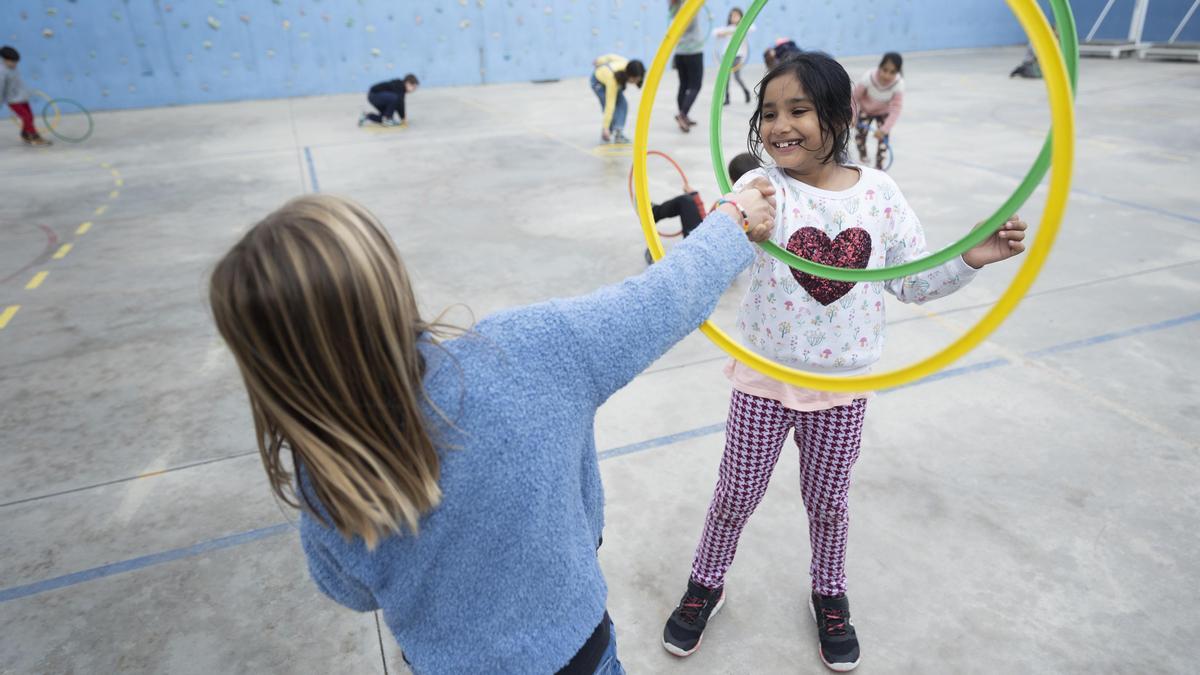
(312, 170)
(1089, 193)
(132, 564)
(1109, 337)
(138, 563)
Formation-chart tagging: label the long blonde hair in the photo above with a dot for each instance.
(316, 306)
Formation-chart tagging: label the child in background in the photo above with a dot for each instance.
(612, 72)
(14, 93)
(388, 99)
(689, 61)
(783, 48)
(879, 97)
(845, 216)
(688, 207)
(723, 35)
(1029, 68)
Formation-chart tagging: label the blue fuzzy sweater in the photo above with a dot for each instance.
(503, 576)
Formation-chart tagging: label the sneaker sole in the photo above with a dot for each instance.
(682, 652)
(836, 667)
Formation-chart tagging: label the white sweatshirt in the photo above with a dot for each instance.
(832, 326)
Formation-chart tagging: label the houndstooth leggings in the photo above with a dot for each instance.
(755, 432)
(860, 138)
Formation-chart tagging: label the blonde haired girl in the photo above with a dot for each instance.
(452, 484)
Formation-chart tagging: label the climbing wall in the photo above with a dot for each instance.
(1161, 19)
(136, 53)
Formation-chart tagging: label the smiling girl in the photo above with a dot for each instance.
(836, 214)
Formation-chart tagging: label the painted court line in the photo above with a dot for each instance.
(62, 251)
(126, 479)
(83, 228)
(141, 562)
(1109, 337)
(1079, 190)
(7, 315)
(312, 169)
(36, 280)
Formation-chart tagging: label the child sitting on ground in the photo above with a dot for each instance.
(388, 99)
(689, 207)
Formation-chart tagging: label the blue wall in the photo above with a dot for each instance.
(1161, 20)
(134, 53)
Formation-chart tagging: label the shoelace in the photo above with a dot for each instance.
(690, 608)
(835, 622)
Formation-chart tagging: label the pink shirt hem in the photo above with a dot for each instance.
(750, 381)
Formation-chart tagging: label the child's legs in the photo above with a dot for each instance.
(23, 111)
(598, 89)
(667, 209)
(619, 111)
(682, 207)
(609, 664)
(695, 70)
(829, 442)
(385, 102)
(689, 214)
(737, 75)
(754, 434)
(882, 146)
(860, 135)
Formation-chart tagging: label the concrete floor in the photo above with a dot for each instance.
(1032, 509)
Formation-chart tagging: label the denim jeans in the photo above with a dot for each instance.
(386, 103)
(619, 108)
(609, 664)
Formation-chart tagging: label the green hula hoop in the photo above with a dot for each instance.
(55, 103)
(1069, 44)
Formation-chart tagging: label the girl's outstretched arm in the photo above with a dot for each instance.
(621, 329)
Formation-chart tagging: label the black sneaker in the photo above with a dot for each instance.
(685, 627)
(838, 643)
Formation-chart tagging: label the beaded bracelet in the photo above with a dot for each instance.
(745, 216)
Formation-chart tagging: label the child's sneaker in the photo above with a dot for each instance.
(36, 140)
(685, 627)
(620, 137)
(836, 638)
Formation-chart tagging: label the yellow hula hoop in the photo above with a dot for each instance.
(1062, 115)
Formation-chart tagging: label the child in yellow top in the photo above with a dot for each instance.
(611, 74)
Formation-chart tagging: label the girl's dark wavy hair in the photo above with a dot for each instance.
(634, 68)
(827, 85)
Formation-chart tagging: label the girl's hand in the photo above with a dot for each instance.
(879, 134)
(1004, 243)
(758, 201)
(604, 134)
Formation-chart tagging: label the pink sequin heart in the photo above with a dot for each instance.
(850, 249)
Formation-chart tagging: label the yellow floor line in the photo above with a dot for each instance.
(7, 315)
(36, 280)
